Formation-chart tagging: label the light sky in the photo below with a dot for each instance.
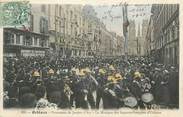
(137, 13)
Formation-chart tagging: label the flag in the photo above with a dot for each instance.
(125, 19)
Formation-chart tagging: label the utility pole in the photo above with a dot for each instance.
(64, 42)
(138, 37)
(125, 30)
(137, 40)
(99, 41)
(64, 49)
(126, 46)
(56, 41)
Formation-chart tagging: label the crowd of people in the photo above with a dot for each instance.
(89, 83)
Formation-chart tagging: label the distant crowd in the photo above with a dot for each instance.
(89, 83)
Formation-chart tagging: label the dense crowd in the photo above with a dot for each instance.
(60, 83)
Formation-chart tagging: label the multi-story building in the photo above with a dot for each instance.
(73, 32)
(64, 30)
(150, 42)
(56, 26)
(139, 41)
(114, 44)
(141, 38)
(77, 31)
(108, 43)
(29, 40)
(90, 30)
(120, 45)
(132, 45)
(165, 19)
(144, 26)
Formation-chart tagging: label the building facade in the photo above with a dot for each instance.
(64, 31)
(32, 40)
(165, 33)
(144, 26)
(150, 42)
(132, 42)
(141, 38)
(120, 45)
(77, 31)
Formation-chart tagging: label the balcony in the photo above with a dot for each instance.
(25, 39)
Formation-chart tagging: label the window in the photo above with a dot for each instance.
(60, 24)
(43, 25)
(31, 41)
(43, 8)
(17, 39)
(46, 43)
(24, 40)
(76, 32)
(75, 52)
(40, 42)
(60, 11)
(75, 16)
(168, 13)
(176, 32)
(31, 22)
(35, 40)
(173, 33)
(11, 38)
(7, 38)
(71, 13)
(170, 54)
(28, 40)
(170, 10)
(168, 36)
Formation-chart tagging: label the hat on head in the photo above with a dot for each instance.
(111, 67)
(87, 70)
(110, 78)
(36, 74)
(58, 72)
(51, 71)
(81, 72)
(137, 75)
(73, 69)
(77, 71)
(118, 76)
(102, 71)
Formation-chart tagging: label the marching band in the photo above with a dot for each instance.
(88, 83)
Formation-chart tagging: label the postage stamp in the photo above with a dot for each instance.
(91, 57)
(14, 13)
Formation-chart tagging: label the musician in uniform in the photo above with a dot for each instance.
(147, 97)
(36, 80)
(109, 90)
(135, 87)
(101, 79)
(52, 84)
(81, 91)
(92, 84)
(74, 77)
(164, 93)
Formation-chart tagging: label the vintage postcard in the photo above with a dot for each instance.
(91, 58)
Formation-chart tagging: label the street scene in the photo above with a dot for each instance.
(69, 56)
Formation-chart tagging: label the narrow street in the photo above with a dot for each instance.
(82, 56)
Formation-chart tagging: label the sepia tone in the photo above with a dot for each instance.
(66, 57)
